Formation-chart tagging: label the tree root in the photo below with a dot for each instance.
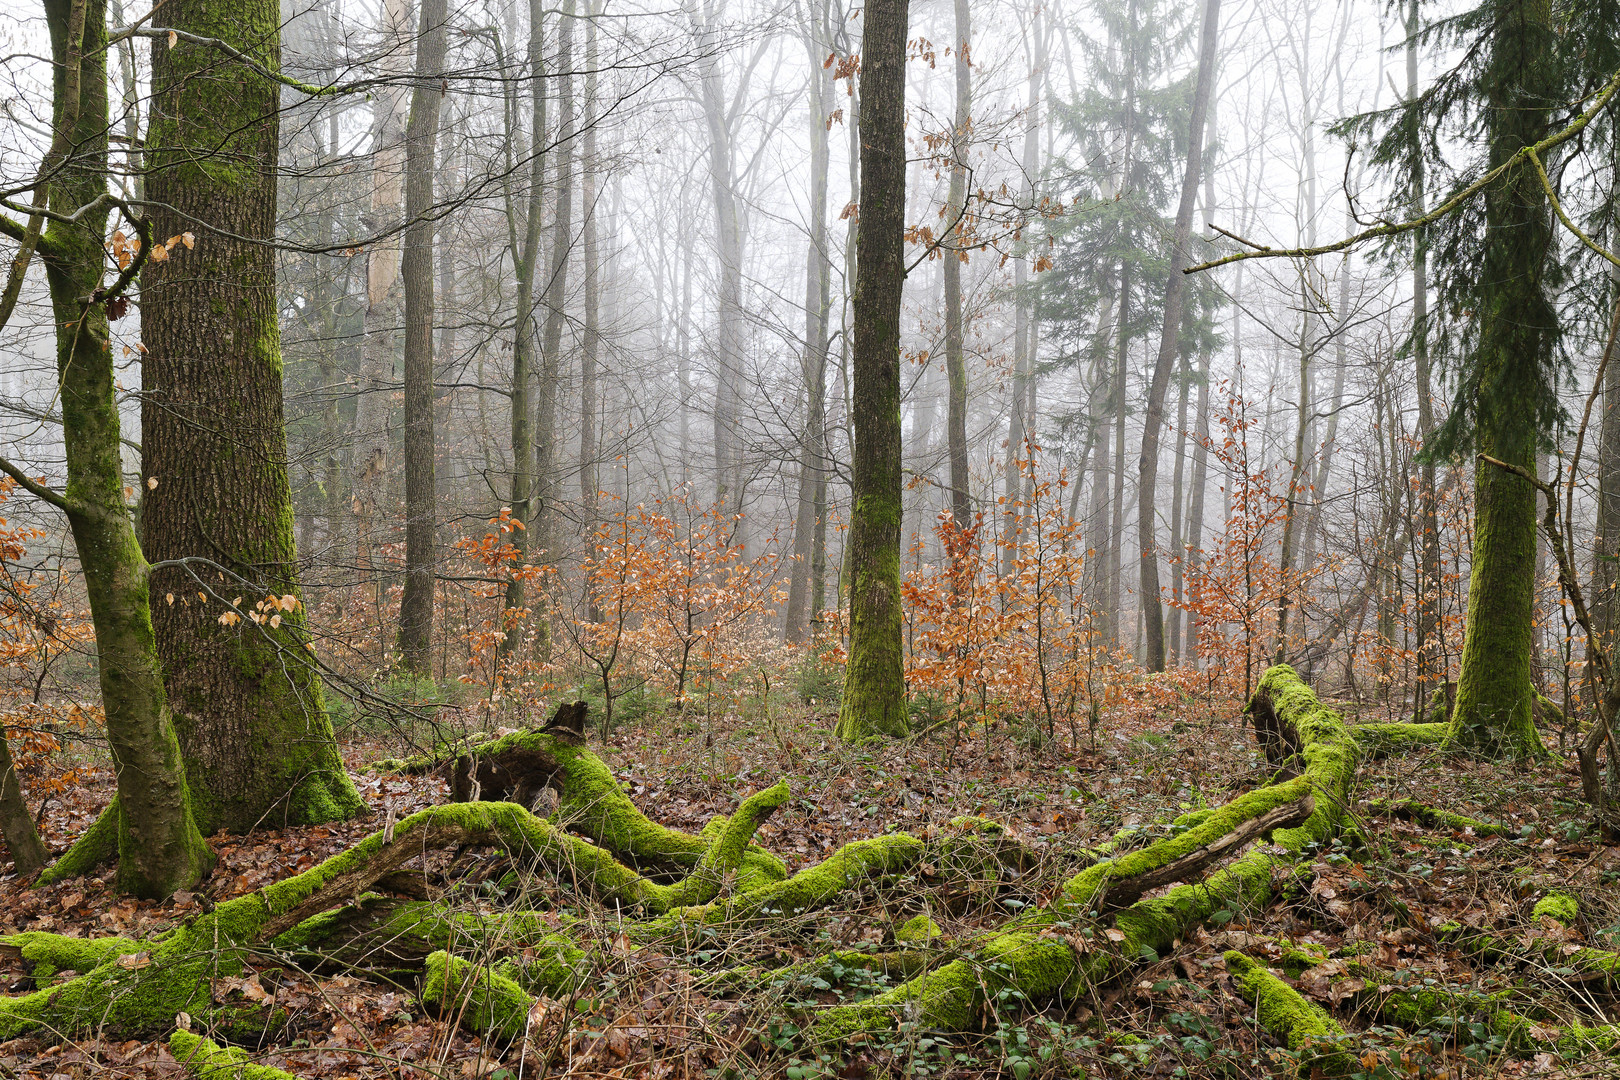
(96, 847)
(1301, 1025)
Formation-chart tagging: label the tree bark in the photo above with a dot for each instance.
(955, 208)
(728, 348)
(371, 440)
(817, 309)
(590, 347)
(525, 253)
(1169, 344)
(28, 854)
(1515, 344)
(249, 705)
(547, 432)
(421, 504)
(874, 697)
(153, 831)
(1021, 421)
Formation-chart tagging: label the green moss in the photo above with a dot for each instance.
(481, 999)
(95, 847)
(1028, 958)
(1558, 906)
(813, 887)
(592, 804)
(917, 929)
(1432, 818)
(47, 954)
(1382, 740)
(1300, 1024)
(207, 1060)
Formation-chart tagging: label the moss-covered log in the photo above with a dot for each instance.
(1033, 956)
(1433, 818)
(142, 992)
(517, 767)
(481, 999)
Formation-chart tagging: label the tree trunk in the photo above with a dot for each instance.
(547, 433)
(1431, 665)
(1178, 546)
(1169, 344)
(955, 207)
(371, 441)
(1517, 328)
(28, 854)
(874, 684)
(421, 504)
(817, 307)
(248, 704)
(150, 824)
(1112, 614)
(728, 346)
(1021, 421)
(525, 252)
(589, 478)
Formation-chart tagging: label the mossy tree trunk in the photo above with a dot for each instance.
(150, 825)
(248, 703)
(874, 682)
(1516, 339)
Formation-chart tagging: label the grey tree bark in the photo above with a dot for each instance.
(1174, 300)
(421, 503)
(817, 312)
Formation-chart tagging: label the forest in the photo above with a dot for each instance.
(800, 539)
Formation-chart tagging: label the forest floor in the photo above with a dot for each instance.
(1179, 1015)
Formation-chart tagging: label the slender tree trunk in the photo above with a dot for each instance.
(728, 239)
(1517, 326)
(371, 441)
(1020, 422)
(1169, 347)
(249, 706)
(547, 432)
(526, 261)
(956, 207)
(421, 504)
(590, 347)
(1177, 502)
(1299, 467)
(1431, 665)
(150, 824)
(874, 684)
(1116, 528)
(817, 307)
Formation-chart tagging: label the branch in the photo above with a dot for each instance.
(333, 90)
(38, 490)
(1531, 153)
(1123, 892)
